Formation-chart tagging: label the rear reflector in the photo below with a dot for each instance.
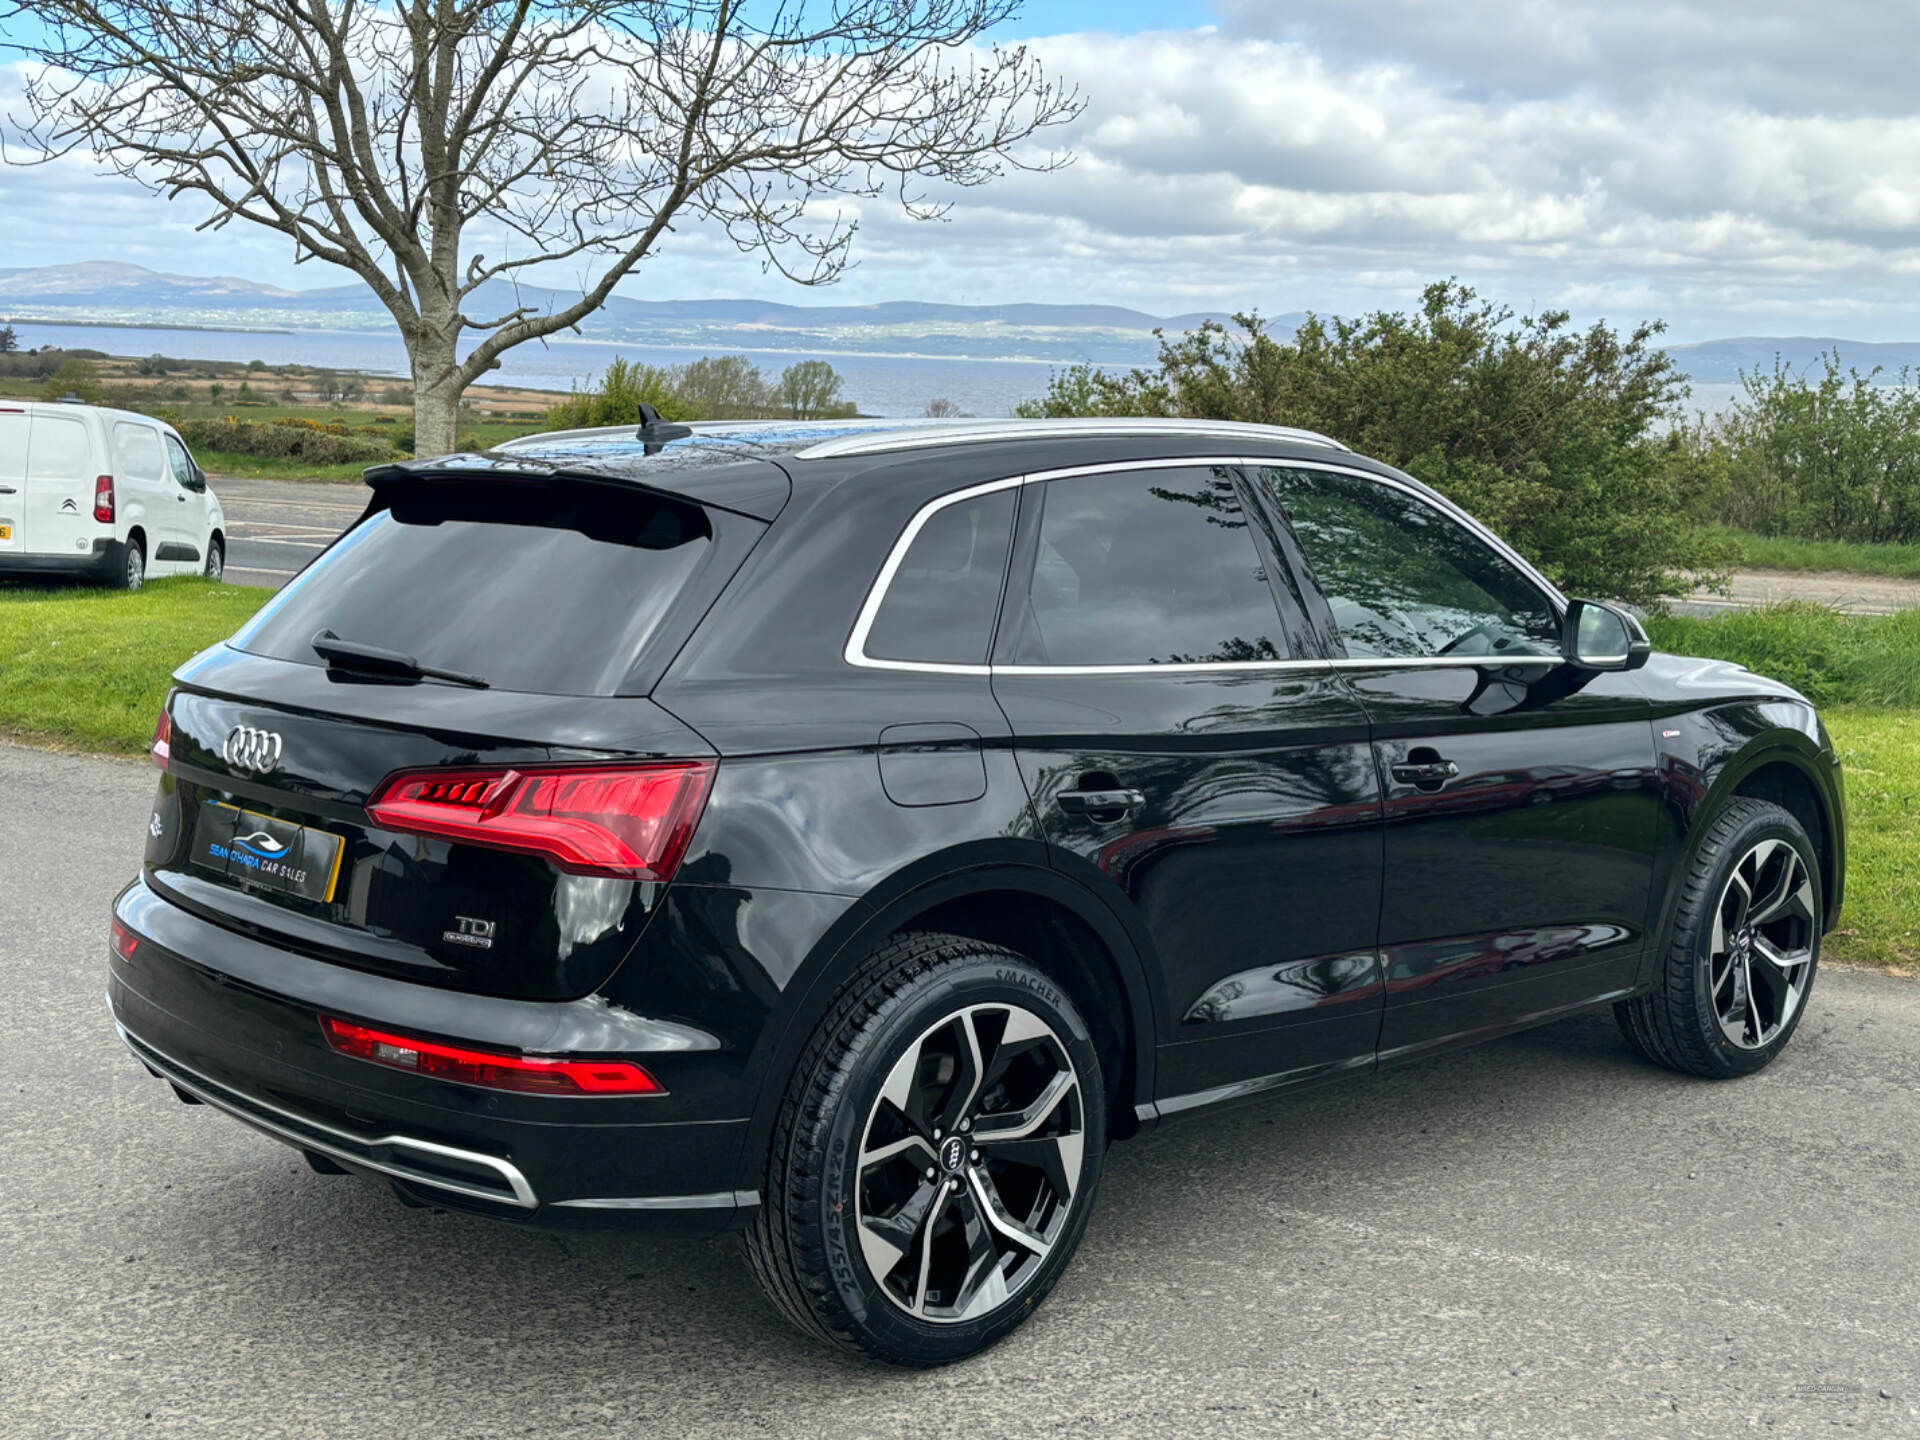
(488, 1068)
(631, 821)
(103, 499)
(162, 739)
(123, 941)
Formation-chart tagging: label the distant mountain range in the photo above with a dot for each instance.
(100, 292)
(111, 293)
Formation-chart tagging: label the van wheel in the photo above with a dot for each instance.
(133, 568)
(216, 558)
(935, 1157)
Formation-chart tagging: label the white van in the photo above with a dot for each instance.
(90, 492)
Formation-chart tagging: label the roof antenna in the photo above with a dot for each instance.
(655, 432)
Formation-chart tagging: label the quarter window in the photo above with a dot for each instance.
(940, 607)
(1145, 567)
(136, 451)
(1404, 579)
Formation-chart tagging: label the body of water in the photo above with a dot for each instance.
(878, 384)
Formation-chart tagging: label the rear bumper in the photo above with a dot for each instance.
(190, 1005)
(102, 561)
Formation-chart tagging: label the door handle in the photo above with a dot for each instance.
(1100, 804)
(181, 498)
(1425, 772)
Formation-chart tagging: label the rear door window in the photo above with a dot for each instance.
(1147, 567)
(941, 603)
(550, 588)
(59, 449)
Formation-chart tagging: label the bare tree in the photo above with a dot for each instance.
(377, 135)
(941, 408)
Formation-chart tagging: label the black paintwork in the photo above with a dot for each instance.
(1279, 907)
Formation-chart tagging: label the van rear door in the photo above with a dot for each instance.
(13, 478)
(59, 489)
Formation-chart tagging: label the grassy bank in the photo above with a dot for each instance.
(1880, 923)
(1831, 658)
(87, 669)
(1779, 552)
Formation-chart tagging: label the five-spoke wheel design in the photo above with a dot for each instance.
(969, 1163)
(1760, 951)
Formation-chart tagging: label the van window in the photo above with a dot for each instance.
(136, 452)
(941, 605)
(59, 449)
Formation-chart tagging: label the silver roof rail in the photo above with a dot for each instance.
(910, 435)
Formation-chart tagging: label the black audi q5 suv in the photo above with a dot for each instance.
(841, 833)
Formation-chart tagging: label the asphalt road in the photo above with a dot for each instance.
(276, 526)
(1542, 1237)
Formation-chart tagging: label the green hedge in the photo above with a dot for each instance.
(309, 440)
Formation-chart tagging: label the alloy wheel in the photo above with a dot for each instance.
(969, 1163)
(1760, 953)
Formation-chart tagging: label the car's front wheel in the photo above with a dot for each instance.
(936, 1155)
(1745, 947)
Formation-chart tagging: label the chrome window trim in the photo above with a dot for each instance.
(855, 650)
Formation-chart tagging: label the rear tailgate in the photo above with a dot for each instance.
(564, 604)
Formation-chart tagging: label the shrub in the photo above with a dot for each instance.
(617, 399)
(1836, 457)
(315, 442)
(76, 376)
(1555, 438)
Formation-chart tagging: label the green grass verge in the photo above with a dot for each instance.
(224, 464)
(1831, 658)
(1880, 922)
(87, 669)
(1779, 552)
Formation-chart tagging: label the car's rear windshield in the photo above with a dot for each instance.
(554, 588)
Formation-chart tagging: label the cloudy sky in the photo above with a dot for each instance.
(1735, 166)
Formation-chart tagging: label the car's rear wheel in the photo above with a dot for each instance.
(216, 558)
(936, 1155)
(133, 566)
(1745, 948)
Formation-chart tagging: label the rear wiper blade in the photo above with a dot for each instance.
(376, 660)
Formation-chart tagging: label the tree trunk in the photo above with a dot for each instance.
(436, 394)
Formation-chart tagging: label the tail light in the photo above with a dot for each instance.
(631, 821)
(494, 1070)
(162, 739)
(103, 499)
(123, 941)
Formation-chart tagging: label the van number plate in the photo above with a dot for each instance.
(6, 532)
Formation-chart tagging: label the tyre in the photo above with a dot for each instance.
(133, 567)
(216, 558)
(1746, 945)
(936, 1154)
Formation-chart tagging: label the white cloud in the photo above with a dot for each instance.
(1732, 168)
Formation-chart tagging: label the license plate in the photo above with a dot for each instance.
(6, 532)
(259, 850)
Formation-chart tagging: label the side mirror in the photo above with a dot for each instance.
(199, 481)
(1599, 636)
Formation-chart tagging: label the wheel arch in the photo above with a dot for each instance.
(1025, 907)
(1781, 764)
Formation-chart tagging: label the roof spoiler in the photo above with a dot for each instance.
(760, 500)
